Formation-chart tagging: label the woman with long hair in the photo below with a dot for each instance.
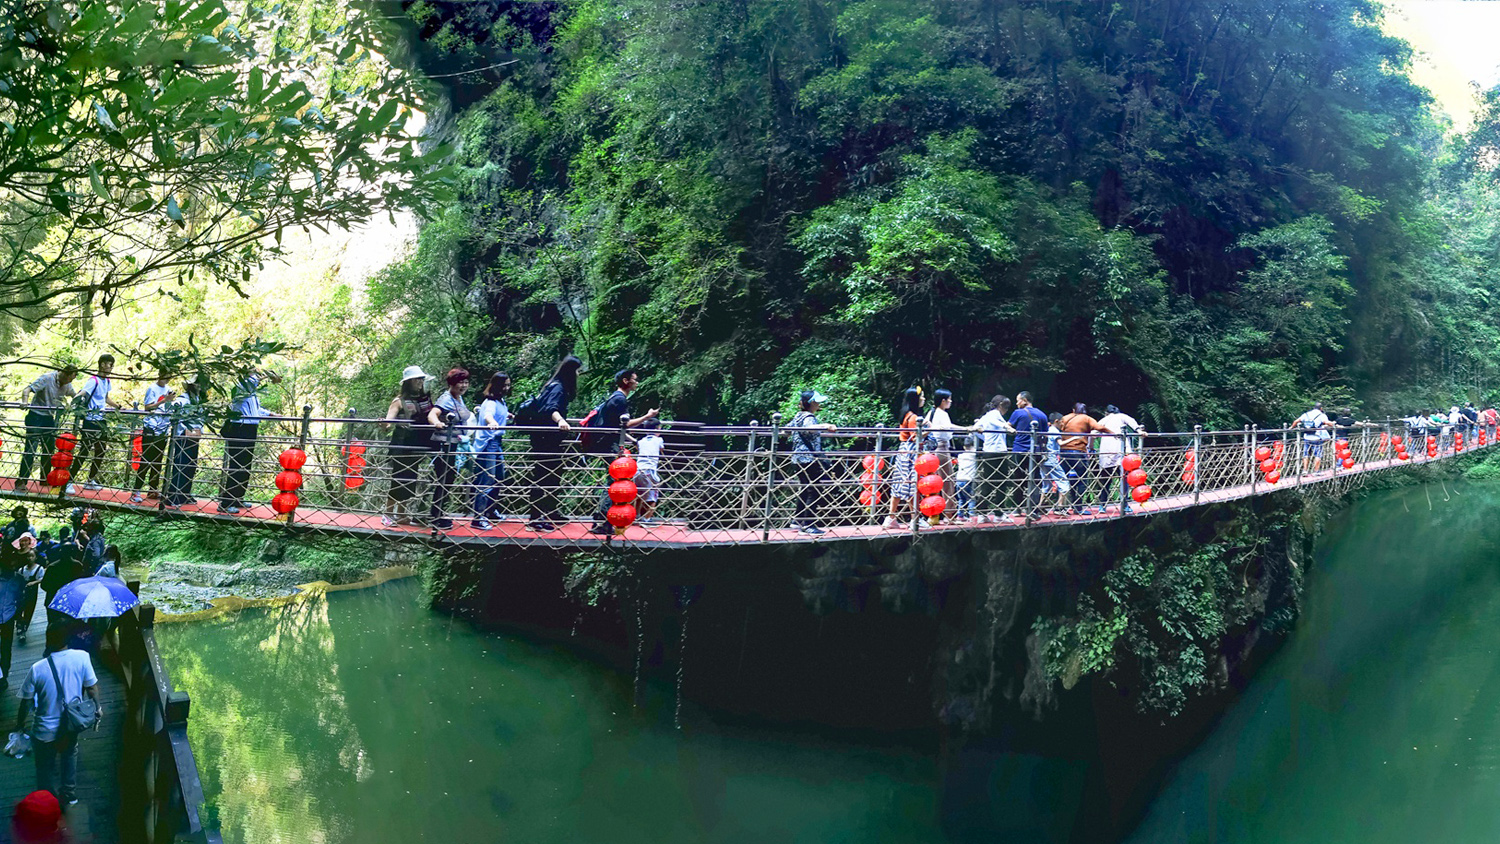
(411, 443)
(549, 413)
(489, 452)
(904, 474)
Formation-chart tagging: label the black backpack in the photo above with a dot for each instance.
(595, 438)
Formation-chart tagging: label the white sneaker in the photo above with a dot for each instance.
(72, 489)
(889, 523)
(135, 498)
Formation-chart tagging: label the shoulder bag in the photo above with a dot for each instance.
(79, 714)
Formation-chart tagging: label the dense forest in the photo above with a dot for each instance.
(1209, 211)
(1203, 211)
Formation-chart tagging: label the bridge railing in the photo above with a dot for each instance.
(714, 484)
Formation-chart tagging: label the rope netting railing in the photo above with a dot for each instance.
(699, 485)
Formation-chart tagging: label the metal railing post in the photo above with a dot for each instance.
(1252, 442)
(875, 470)
(749, 474)
(765, 525)
(916, 478)
(624, 427)
(1197, 456)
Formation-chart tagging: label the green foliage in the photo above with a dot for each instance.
(146, 143)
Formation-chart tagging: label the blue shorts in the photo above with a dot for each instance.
(1312, 449)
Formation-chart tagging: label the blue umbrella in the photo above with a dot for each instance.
(94, 597)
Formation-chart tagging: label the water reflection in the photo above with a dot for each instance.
(1380, 720)
(360, 717)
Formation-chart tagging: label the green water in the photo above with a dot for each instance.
(1379, 721)
(362, 717)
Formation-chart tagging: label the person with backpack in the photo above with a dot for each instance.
(95, 435)
(55, 683)
(807, 456)
(1315, 426)
(547, 415)
(240, 431)
(411, 444)
(601, 435)
(1112, 449)
(446, 437)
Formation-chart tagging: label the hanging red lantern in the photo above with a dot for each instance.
(1262, 453)
(293, 459)
(62, 460)
(284, 502)
(58, 477)
(1131, 462)
(932, 506)
(1268, 465)
(869, 498)
(1348, 463)
(1136, 477)
(66, 442)
(623, 468)
(1273, 477)
(621, 516)
(1397, 440)
(927, 464)
(1141, 494)
(930, 485)
(1401, 455)
(288, 481)
(1431, 440)
(136, 449)
(622, 491)
(1189, 478)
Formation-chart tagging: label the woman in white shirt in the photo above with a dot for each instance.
(939, 440)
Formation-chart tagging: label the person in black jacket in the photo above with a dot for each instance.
(550, 407)
(616, 407)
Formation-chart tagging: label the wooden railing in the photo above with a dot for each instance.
(161, 796)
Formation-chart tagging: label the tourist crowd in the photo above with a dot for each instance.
(1013, 462)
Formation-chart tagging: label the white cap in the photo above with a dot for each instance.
(413, 372)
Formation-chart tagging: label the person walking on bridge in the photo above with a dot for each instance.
(62, 675)
(904, 472)
(95, 434)
(153, 436)
(1112, 448)
(548, 413)
(807, 455)
(1315, 426)
(410, 445)
(448, 416)
(46, 394)
(489, 449)
(994, 457)
(239, 433)
(185, 415)
(1074, 450)
(607, 417)
(1028, 449)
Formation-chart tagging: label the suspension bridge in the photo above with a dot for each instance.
(718, 485)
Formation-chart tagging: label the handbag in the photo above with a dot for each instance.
(80, 713)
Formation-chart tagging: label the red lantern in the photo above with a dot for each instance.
(1189, 478)
(930, 485)
(1341, 445)
(135, 453)
(1131, 462)
(1277, 449)
(927, 464)
(1262, 453)
(932, 506)
(1141, 494)
(357, 463)
(62, 460)
(1401, 455)
(869, 497)
(1348, 462)
(1396, 440)
(284, 502)
(58, 477)
(288, 481)
(621, 516)
(1136, 477)
(867, 479)
(1431, 452)
(1273, 477)
(293, 459)
(872, 464)
(66, 442)
(1268, 465)
(622, 492)
(1431, 441)
(623, 469)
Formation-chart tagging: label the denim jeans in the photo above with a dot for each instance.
(491, 463)
(61, 751)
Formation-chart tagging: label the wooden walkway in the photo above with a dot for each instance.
(94, 820)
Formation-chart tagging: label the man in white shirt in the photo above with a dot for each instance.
(95, 393)
(1315, 426)
(54, 746)
(46, 394)
(153, 436)
(1112, 451)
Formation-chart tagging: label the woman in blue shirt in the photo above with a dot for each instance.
(488, 449)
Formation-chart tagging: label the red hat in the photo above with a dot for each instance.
(36, 815)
